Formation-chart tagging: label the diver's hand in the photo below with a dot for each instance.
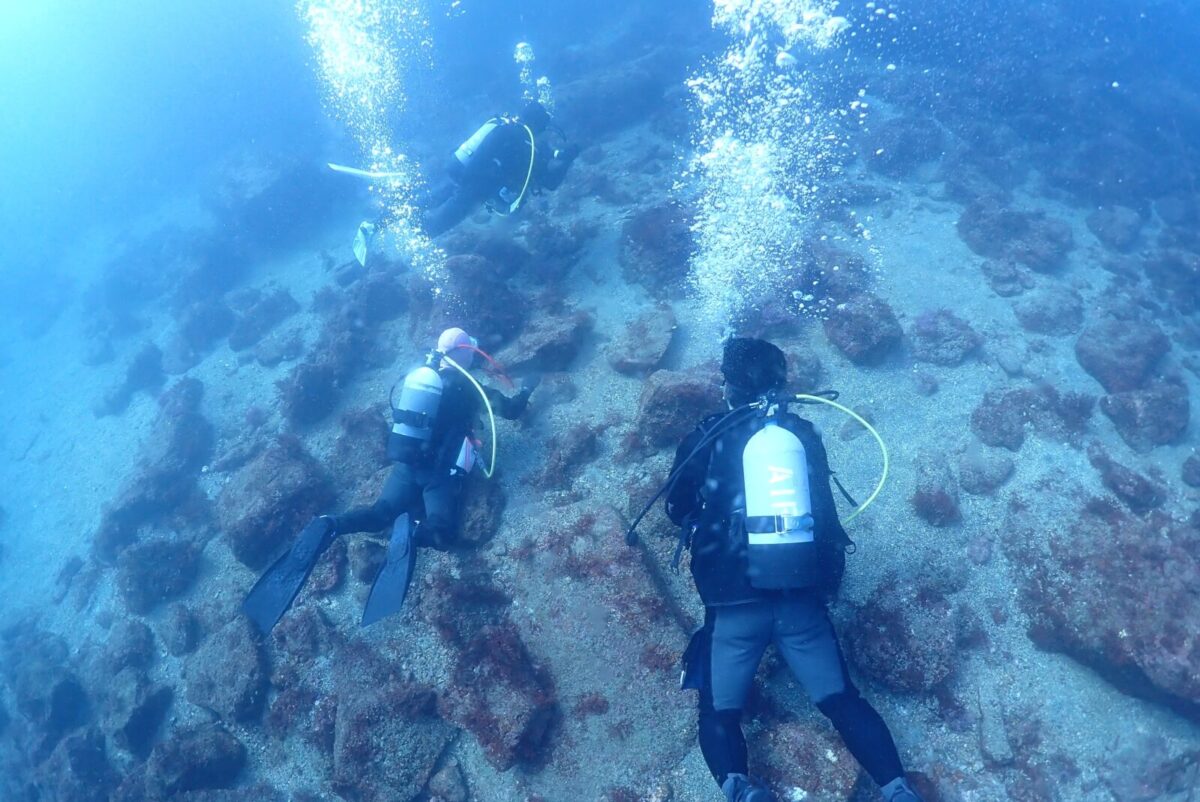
(530, 383)
(567, 153)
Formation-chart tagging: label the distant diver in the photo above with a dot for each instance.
(750, 491)
(499, 166)
(434, 449)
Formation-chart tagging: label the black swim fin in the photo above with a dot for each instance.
(391, 583)
(276, 589)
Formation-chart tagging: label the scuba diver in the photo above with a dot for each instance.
(433, 447)
(499, 166)
(750, 490)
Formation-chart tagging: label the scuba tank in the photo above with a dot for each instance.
(413, 416)
(780, 545)
(466, 151)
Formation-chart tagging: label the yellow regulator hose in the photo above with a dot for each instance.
(882, 449)
(488, 471)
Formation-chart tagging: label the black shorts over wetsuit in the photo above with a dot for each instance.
(741, 621)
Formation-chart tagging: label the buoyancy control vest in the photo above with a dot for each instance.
(777, 522)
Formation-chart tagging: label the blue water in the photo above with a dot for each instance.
(1026, 171)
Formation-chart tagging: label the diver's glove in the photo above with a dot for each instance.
(567, 153)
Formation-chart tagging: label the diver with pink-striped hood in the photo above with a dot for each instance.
(434, 446)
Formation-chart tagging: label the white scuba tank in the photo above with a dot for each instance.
(466, 151)
(414, 414)
(779, 522)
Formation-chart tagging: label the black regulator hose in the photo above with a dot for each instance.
(631, 538)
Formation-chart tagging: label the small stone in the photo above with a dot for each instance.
(993, 737)
(1191, 471)
(982, 470)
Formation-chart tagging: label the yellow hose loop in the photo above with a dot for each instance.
(491, 417)
(529, 175)
(882, 449)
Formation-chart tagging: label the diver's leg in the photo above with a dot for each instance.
(740, 633)
(442, 496)
(806, 639)
(451, 212)
(399, 493)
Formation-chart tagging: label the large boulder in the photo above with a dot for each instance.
(193, 759)
(269, 500)
(1115, 226)
(133, 709)
(671, 404)
(864, 328)
(1029, 238)
(548, 343)
(228, 673)
(1121, 354)
(1115, 592)
(164, 482)
(1054, 310)
(156, 571)
(656, 248)
(1155, 416)
(942, 337)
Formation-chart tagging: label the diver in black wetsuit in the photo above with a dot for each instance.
(766, 579)
(433, 446)
(508, 159)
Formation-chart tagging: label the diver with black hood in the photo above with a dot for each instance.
(434, 448)
(751, 492)
(508, 159)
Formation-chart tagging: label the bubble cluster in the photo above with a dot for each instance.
(366, 51)
(764, 143)
(538, 89)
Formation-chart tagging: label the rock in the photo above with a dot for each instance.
(981, 471)
(387, 737)
(478, 294)
(804, 368)
(202, 323)
(144, 373)
(1006, 277)
(1030, 238)
(482, 510)
(864, 329)
(567, 456)
(1003, 414)
(1155, 416)
(1055, 310)
(829, 770)
(1191, 471)
(259, 314)
(993, 737)
(656, 248)
(280, 346)
(164, 481)
(936, 497)
(1112, 591)
(1143, 768)
(943, 338)
(640, 347)
(194, 759)
(1136, 491)
(79, 770)
(130, 645)
(179, 630)
(548, 344)
(897, 147)
(360, 451)
(367, 557)
(449, 785)
(503, 697)
(1121, 354)
(1175, 273)
(156, 571)
(627, 91)
(45, 690)
(133, 711)
(671, 404)
(270, 500)
(1115, 226)
(228, 673)
(904, 637)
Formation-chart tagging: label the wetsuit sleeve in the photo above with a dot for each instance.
(508, 408)
(554, 171)
(684, 500)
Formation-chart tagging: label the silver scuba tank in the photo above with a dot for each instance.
(466, 151)
(414, 414)
(780, 548)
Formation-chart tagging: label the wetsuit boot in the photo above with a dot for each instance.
(898, 790)
(740, 788)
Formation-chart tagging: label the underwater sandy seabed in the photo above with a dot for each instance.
(540, 660)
